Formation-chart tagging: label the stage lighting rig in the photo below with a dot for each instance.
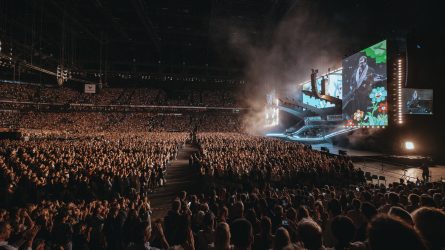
(62, 75)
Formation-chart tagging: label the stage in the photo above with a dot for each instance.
(333, 149)
(392, 167)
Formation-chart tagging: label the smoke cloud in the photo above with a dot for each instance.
(365, 139)
(285, 56)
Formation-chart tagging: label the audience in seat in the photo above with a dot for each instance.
(91, 191)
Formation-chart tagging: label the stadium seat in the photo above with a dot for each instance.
(375, 177)
(368, 176)
(382, 178)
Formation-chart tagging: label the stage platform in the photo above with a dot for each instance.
(333, 149)
(392, 167)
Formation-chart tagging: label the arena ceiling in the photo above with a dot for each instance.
(142, 34)
(191, 36)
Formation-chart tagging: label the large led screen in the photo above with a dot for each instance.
(316, 102)
(307, 86)
(364, 87)
(333, 84)
(418, 101)
(271, 116)
(271, 110)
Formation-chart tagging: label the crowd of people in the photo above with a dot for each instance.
(118, 96)
(41, 107)
(256, 159)
(79, 122)
(400, 216)
(364, 216)
(100, 167)
(83, 181)
(259, 193)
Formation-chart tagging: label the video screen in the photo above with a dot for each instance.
(308, 87)
(333, 84)
(364, 87)
(316, 102)
(418, 101)
(271, 110)
(270, 98)
(271, 116)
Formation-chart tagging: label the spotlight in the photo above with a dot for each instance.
(409, 145)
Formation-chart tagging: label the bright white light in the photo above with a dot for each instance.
(271, 117)
(409, 145)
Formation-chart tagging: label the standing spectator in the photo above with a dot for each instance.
(425, 172)
(222, 237)
(310, 234)
(344, 232)
(431, 224)
(387, 233)
(242, 234)
(282, 239)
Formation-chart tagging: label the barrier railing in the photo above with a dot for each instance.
(334, 117)
(120, 106)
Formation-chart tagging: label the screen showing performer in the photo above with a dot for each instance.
(364, 87)
(418, 101)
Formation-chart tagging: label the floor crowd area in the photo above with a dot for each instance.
(92, 191)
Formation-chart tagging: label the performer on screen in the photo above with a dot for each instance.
(414, 101)
(363, 79)
(362, 73)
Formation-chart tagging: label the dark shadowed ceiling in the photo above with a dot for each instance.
(133, 34)
(191, 36)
